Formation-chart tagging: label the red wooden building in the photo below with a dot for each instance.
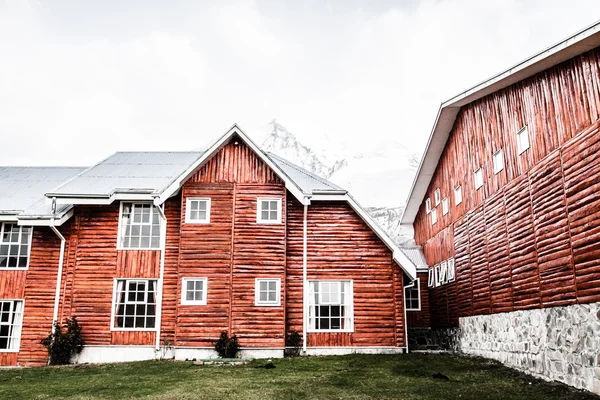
(506, 208)
(156, 249)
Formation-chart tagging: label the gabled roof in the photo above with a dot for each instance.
(577, 44)
(23, 187)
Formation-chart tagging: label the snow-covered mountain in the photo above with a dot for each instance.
(379, 177)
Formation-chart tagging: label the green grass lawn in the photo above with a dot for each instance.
(406, 376)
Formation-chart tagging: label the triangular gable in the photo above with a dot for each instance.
(214, 149)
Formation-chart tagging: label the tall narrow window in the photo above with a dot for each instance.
(140, 226)
(522, 140)
(451, 273)
(445, 206)
(436, 196)
(428, 205)
(438, 275)
(197, 211)
(412, 296)
(478, 174)
(15, 243)
(443, 272)
(458, 195)
(331, 307)
(267, 292)
(431, 277)
(433, 217)
(498, 161)
(134, 304)
(11, 321)
(268, 211)
(193, 291)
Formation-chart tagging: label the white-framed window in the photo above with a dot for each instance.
(478, 175)
(330, 306)
(428, 205)
(193, 291)
(451, 272)
(445, 206)
(197, 211)
(433, 216)
(458, 195)
(134, 305)
(139, 226)
(268, 211)
(267, 292)
(443, 272)
(431, 278)
(412, 296)
(436, 196)
(15, 245)
(438, 275)
(11, 322)
(498, 161)
(522, 140)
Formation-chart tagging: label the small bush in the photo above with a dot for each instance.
(226, 346)
(293, 339)
(62, 346)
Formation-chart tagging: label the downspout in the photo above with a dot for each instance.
(304, 278)
(60, 270)
(405, 321)
(159, 289)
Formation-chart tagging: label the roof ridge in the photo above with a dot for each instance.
(305, 172)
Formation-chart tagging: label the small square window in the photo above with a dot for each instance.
(458, 195)
(445, 206)
(267, 292)
(428, 206)
(478, 178)
(197, 211)
(436, 196)
(522, 140)
(498, 161)
(193, 291)
(433, 217)
(268, 211)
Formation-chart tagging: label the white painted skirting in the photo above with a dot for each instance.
(114, 354)
(338, 351)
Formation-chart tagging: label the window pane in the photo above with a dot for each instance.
(263, 285)
(202, 215)
(202, 205)
(265, 215)
(193, 215)
(194, 205)
(272, 297)
(272, 286)
(273, 205)
(263, 296)
(273, 216)
(145, 243)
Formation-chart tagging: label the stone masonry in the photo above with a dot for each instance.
(558, 343)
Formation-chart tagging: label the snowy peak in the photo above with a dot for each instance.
(283, 143)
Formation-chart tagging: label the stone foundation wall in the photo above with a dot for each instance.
(558, 343)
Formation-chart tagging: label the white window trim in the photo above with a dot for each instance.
(458, 189)
(437, 197)
(498, 167)
(187, 210)
(478, 170)
(114, 304)
(433, 216)
(451, 270)
(18, 347)
(203, 301)
(160, 241)
(437, 275)
(259, 201)
(28, 246)
(443, 272)
(428, 205)
(522, 131)
(445, 206)
(416, 282)
(349, 329)
(267, 303)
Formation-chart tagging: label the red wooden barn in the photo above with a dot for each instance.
(168, 250)
(506, 208)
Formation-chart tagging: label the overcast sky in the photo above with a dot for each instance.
(82, 79)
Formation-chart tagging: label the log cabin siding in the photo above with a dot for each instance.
(342, 247)
(528, 238)
(420, 319)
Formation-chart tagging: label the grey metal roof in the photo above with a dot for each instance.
(415, 254)
(21, 187)
(307, 181)
(130, 171)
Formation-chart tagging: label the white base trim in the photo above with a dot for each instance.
(115, 354)
(339, 351)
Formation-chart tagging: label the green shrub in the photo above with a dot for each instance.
(62, 346)
(293, 342)
(226, 346)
